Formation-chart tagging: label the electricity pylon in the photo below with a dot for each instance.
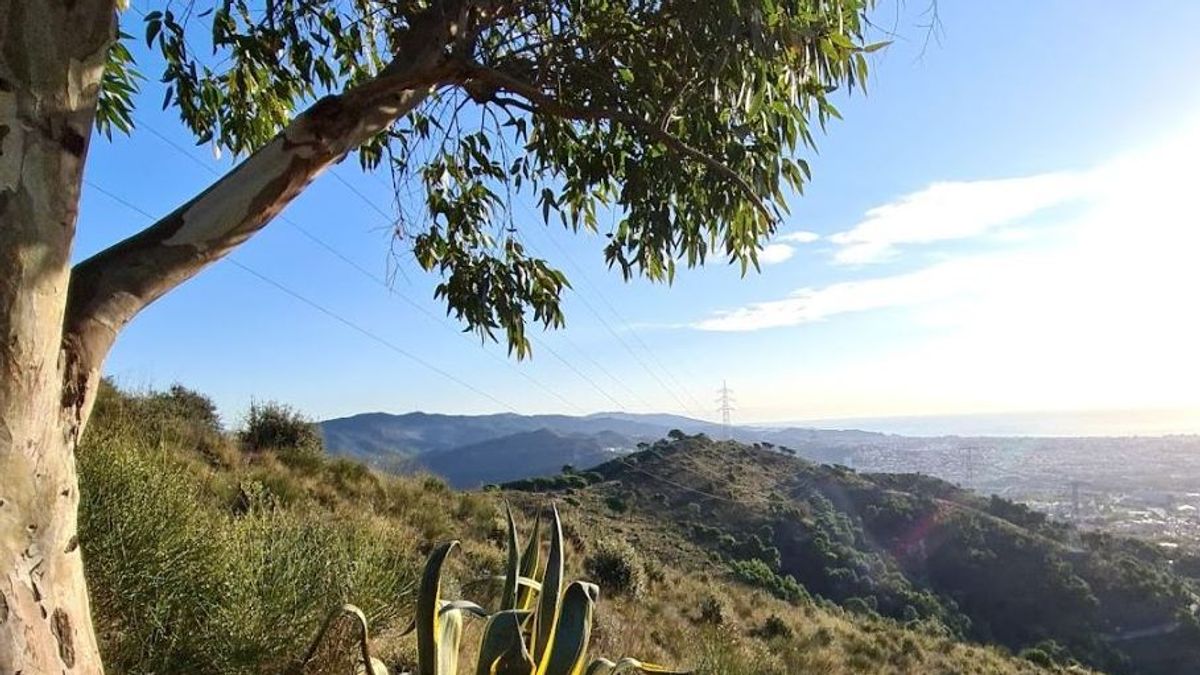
(725, 400)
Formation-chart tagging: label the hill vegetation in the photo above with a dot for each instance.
(911, 548)
(212, 552)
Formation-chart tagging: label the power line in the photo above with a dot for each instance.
(332, 250)
(616, 313)
(684, 406)
(324, 310)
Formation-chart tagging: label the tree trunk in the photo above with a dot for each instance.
(48, 93)
(57, 323)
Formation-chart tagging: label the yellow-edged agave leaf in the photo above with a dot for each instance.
(450, 634)
(503, 650)
(512, 571)
(377, 668)
(601, 666)
(521, 581)
(464, 606)
(567, 653)
(529, 566)
(632, 665)
(546, 616)
(433, 627)
(340, 646)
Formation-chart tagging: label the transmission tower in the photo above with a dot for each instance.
(725, 400)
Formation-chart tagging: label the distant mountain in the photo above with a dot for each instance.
(528, 453)
(443, 443)
(383, 437)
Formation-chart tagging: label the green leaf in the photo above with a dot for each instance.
(530, 562)
(573, 631)
(503, 650)
(436, 633)
(551, 595)
(508, 597)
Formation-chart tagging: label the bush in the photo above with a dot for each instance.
(1037, 657)
(617, 567)
(712, 612)
(774, 627)
(278, 427)
(182, 584)
(179, 418)
(756, 573)
(616, 503)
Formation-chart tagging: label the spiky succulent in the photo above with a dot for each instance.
(540, 627)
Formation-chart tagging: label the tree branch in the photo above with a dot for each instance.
(107, 290)
(540, 102)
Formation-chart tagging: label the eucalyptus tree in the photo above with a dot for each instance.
(684, 118)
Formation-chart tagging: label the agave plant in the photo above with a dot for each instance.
(539, 628)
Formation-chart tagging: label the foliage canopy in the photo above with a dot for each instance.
(680, 123)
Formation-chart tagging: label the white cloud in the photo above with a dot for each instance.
(815, 304)
(773, 254)
(1124, 262)
(800, 237)
(954, 210)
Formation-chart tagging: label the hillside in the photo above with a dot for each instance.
(909, 547)
(391, 442)
(383, 436)
(519, 455)
(207, 554)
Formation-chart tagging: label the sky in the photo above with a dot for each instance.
(1005, 223)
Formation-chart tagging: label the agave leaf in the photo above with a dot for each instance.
(529, 566)
(449, 636)
(465, 606)
(601, 666)
(433, 628)
(508, 597)
(551, 596)
(567, 651)
(377, 668)
(341, 645)
(630, 664)
(503, 650)
(521, 581)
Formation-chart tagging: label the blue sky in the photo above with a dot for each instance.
(1002, 224)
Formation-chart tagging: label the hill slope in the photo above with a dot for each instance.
(912, 548)
(519, 455)
(205, 556)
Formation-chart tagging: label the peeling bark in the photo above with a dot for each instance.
(48, 91)
(57, 323)
(110, 288)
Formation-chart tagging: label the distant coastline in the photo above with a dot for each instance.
(1155, 422)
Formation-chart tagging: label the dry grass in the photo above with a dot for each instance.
(206, 559)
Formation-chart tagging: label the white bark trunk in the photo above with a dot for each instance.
(57, 324)
(48, 90)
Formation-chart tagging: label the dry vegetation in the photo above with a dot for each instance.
(208, 553)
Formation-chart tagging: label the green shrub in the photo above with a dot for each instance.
(616, 503)
(1037, 657)
(712, 611)
(181, 583)
(278, 427)
(774, 627)
(757, 573)
(617, 568)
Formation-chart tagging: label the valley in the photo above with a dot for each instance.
(1142, 486)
